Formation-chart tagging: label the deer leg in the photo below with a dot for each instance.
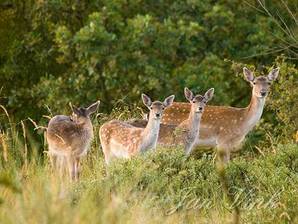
(77, 168)
(223, 155)
(107, 153)
(71, 167)
(73, 170)
(188, 148)
(53, 161)
(60, 166)
(107, 159)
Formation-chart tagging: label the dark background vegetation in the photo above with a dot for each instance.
(60, 51)
(53, 52)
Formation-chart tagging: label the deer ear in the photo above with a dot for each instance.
(92, 108)
(169, 101)
(273, 74)
(209, 94)
(76, 110)
(188, 94)
(248, 74)
(146, 100)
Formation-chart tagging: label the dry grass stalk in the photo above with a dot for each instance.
(25, 144)
(3, 143)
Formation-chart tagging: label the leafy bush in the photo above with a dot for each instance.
(284, 100)
(113, 50)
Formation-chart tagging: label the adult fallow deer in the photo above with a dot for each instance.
(225, 127)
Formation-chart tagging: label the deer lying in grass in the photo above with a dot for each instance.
(122, 140)
(226, 127)
(69, 138)
(187, 132)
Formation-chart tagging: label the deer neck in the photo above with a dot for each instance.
(193, 121)
(150, 133)
(87, 128)
(254, 111)
(87, 125)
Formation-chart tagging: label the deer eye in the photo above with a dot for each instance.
(151, 108)
(162, 108)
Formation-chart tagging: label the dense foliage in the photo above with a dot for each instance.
(54, 52)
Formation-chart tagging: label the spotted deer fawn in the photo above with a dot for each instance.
(69, 138)
(187, 132)
(122, 140)
(226, 127)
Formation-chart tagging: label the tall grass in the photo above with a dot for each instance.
(162, 186)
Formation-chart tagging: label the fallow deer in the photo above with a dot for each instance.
(226, 127)
(122, 140)
(69, 138)
(187, 132)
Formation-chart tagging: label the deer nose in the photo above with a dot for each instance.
(157, 115)
(263, 93)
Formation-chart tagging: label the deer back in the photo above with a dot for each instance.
(123, 134)
(215, 119)
(169, 135)
(65, 134)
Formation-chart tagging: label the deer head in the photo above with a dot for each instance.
(261, 84)
(81, 115)
(198, 102)
(156, 108)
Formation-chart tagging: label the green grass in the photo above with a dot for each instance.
(158, 187)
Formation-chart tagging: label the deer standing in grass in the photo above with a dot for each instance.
(226, 127)
(122, 140)
(187, 132)
(69, 138)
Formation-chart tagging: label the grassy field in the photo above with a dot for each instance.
(56, 52)
(158, 187)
